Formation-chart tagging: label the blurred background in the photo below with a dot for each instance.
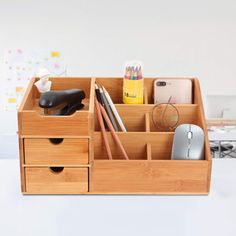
(96, 38)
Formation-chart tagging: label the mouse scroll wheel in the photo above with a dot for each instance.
(190, 135)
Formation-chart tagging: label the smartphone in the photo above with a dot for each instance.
(180, 91)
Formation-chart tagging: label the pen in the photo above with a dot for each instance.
(99, 98)
(100, 120)
(115, 112)
(108, 109)
(113, 133)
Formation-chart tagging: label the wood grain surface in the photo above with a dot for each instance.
(44, 151)
(44, 180)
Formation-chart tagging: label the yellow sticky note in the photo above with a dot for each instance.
(55, 54)
(19, 89)
(11, 100)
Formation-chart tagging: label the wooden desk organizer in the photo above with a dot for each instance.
(66, 155)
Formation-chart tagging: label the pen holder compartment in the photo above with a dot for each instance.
(141, 118)
(184, 114)
(155, 146)
(133, 119)
(114, 88)
(136, 149)
(75, 144)
(156, 172)
(133, 91)
(149, 88)
(161, 145)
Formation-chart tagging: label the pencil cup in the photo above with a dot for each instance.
(133, 91)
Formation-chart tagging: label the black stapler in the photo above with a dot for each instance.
(68, 101)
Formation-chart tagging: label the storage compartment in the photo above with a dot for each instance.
(161, 146)
(150, 168)
(185, 114)
(56, 180)
(136, 148)
(155, 146)
(149, 88)
(67, 155)
(114, 87)
(56, 151)
(133, 119)
(141, 118)
(33, 121)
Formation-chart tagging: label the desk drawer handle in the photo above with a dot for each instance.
(56, 140)
(56, 169)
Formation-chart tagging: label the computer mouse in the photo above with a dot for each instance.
(188, 143)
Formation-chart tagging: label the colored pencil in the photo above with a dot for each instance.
(133, 71)
(113, 133)
(100, 120)
(114, 110)
(99, 98)
(108, 109)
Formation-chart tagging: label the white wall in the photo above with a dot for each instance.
(172, 38)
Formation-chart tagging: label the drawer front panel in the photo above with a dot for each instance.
(44, 180)
(33, 123)
(56, 151)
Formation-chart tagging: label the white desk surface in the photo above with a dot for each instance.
(211, 215)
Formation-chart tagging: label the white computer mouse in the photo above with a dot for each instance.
(188, 143)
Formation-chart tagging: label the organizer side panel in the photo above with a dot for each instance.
(22, 171)
(61, 83)
(29, 97)
(202, 123)
(156, 177)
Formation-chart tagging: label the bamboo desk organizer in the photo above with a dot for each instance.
(66, 155)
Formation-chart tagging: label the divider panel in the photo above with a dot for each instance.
(132, 118)
(161, 146)
(138, 145)
(149, 151)
(133, 145)
(147, 122)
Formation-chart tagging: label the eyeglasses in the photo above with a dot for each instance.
(165, 116)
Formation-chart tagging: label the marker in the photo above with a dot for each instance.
(139, 73)
(135, 77)
(99, 98)
(108, 110)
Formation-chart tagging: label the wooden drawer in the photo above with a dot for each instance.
(56, 151)
(45, 180)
